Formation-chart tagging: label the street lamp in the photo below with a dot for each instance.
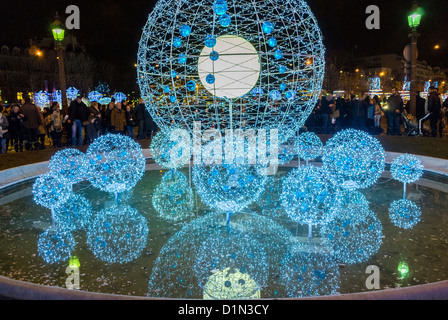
(414, 20)
(58, 30)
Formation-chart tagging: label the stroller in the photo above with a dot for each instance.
(411, 128)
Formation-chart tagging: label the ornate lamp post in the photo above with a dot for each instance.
(414, 19)
(58, 30)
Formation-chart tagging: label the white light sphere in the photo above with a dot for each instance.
(407, 168)
(171, 148)
(308, 197)
(71, 164)
(353, 159)
(116, 163)
(309, 146)
(238, 64)
(75, 214)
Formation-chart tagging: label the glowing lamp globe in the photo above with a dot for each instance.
(415, 17)
(253, 42)
(58, 30)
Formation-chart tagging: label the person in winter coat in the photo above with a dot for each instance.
(118, 119)
(93, 123)
(16, 128)
(32, 121)
(131, 122)
(395, 108)
(77, 115)
(434, 108)
(4, 133)
(56, 125)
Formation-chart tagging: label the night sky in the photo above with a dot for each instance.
(111, 29)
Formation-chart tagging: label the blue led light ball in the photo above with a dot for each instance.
(210, 79)
(220, 7)
(70, 164)
(170, 150)
(407, 168)
(308, 197)
(309, 146)
(214, 56)
(182, 58)
(268, 27)
(405, 214)
(353, 159)
(185, 30)
(210, 41)
(118, 235)
(272, 42)
(177, 42)
(225, 20)
(51, 190)
(116, 163)
(55, 245)
(278, 54)
(191, 86)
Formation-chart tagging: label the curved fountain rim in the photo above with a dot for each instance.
(19, 290)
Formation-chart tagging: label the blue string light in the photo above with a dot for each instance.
(404, 214)
(407, 169)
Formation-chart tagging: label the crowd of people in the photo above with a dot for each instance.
(27, 127)
(378, 115)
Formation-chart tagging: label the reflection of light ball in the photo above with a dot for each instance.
(404, 214)
(269, 201)
(228, 188)
(354, 235)
(118, 234)
(307, 274)
(170, 150)
(51, 190)
(231, 285)
(75, 214)
(308, 197)
(71, 164)
(173, 197)
(309, 146)
(353, 159)
(55, 245)
(407, 168)
(116, 163)
(253, 40)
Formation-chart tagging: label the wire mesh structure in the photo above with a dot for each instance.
(236, 64)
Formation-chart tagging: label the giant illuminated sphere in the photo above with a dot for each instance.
(407, 168)
(71, 164)
(308, 197)
(353, 159)
(118, 234)
(231, 64)
(405, 214)
(116, 163)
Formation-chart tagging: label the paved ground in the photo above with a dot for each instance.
(431, 147)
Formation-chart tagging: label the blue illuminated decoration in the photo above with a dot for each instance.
(94, 96)
(115, 163)
(309, 146)
(51, 190)
(71, 164)
(171, 150)
(173, 198)
(75, 214)
(407, 169)
(210, 79)
(72, 93)
(404, 214)
(291, 34)
(55, 245)
(191, 85)
(353, 159)
(177, 42)
(42, 99)
(118, 235)
(119, 97)
(308, 197)
(354, 235)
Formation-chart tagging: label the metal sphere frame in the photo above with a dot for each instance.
(291, 72)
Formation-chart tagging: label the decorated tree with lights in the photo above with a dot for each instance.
(407, 169)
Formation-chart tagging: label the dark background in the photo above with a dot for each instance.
(111, 29)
